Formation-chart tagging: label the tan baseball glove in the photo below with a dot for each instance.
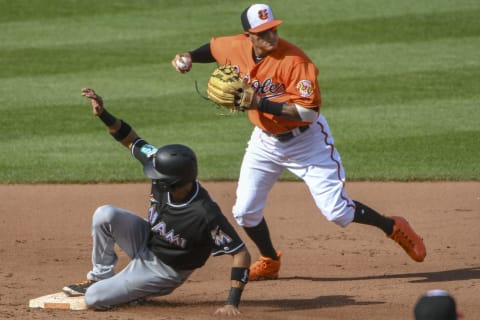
(227, 89)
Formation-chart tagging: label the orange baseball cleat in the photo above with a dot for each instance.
(265, 268)
(411, 242)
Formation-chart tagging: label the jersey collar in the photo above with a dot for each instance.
(181, 205)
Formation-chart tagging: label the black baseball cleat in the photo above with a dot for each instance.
(78, 289)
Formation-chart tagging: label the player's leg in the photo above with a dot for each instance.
(317, 162)
(335, 206)
(253, 187)
(326, 181)
(111, 225)
(145, 276)
(258, 174)
(367, 215)
(115, 225)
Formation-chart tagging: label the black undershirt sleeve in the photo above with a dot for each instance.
(202, 54)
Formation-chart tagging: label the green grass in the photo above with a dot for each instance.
(400, 85)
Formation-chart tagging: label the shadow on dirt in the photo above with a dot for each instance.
(332, 301)
(309, 303)
(426, 277)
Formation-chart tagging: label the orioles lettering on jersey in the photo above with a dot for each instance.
(169, 236)
(267, 88)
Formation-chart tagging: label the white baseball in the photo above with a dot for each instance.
(182, 63)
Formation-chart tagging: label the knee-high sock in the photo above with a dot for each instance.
(260, 235)
(366, 215)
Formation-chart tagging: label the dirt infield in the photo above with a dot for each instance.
(327, 273)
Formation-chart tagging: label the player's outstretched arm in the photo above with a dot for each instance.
(120, 130)
(239, 278)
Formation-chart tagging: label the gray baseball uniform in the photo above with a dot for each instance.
(164, 249)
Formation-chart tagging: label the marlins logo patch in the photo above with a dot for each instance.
(220, 237)
(305, 88)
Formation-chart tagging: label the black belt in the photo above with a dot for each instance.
(284, 137)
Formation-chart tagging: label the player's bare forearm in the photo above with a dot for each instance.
(240, 260)
(239, 277)
(128, 141)
(290, 112)
(113, 124)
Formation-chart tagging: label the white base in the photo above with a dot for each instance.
(59, 300)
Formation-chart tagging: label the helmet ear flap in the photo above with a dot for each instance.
(166, 185)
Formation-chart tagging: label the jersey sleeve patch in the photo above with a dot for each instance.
(221, 238)
(225, 239)
(305, 88)
(148, 150)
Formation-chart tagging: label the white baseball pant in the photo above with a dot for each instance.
(311, 156)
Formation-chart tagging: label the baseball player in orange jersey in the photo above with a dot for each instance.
(290, 133)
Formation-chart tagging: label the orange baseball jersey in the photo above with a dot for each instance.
(286, 75)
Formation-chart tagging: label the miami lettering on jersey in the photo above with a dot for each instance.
(169, 235)
(152, 211)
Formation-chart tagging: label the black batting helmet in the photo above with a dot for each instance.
(173, 166)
